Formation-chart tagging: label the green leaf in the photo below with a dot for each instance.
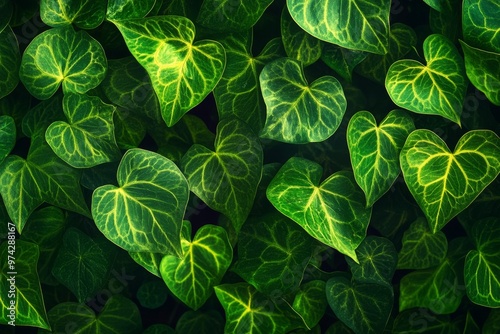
(273, 253)
(480, 24)
(130, 130)
(119, 316)
(492, 323)
(437, 88)
(183, 73)
(374, 150)
(238, 92)
(227, 179)
(353, 24)
(42, 115)
(10, 61)
(7, 136)
(230, 15)
(205, 260)
(448, 20)
(87, 139)
(445, 183)
(298, 112)
(310, 302)
(42, 177)
(471, 326)
(128, 9)
(86, 14)
(342, 60)
(249, 311)
(149, 261)
(422, 321)
(20, 286)
(81, 264)
(435, 4)
(152, 294)
(159, 329)
(483, 70)
(422, 249)
(149, 204)
(332, 212)
(198, 322)
(62, 55)
(5, 13)
(482, 269)
(363, 307)
(377, 261)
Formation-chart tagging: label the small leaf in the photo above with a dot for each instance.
(7, 136)
(310, 302)
(437, 88)
(86, 14)
(298, 112)
(205, 260)
(445, 183)
(128, 9)
(342, 60)
(10, 59)
(332, 212)
(199, 322)
(480, 24)
(152, 294)
(149, 204)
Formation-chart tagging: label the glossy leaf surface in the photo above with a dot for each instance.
(480, 24)
(86, 14)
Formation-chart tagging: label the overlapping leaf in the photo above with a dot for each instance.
(183, 73)
(480, 24)
(149, 261)
(342, 60)
(86, 14)
(7, 136)
(61, 55)
(200, 322)
(128, 9)
(143, 214)
(298, 112)
(10, 60)
(437, 88)
(310, 302)
(353, 24)
(333, 212)
(445, 183)
(374, 150)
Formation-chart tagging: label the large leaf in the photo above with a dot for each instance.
(227, 179)
(310, 302)
(7, 136)
(374, 150)
(86, 14)
(298, 112)
(10, 60)
(20, 286)
(273, 253)
(62, 55)
(421, 248)
(437, 88)
(333, 212)
(128, 9)
(353, 24)
(482, 265)
(445, 183)
(480, 24)
(87, 139)
(363, 307)
(143, 214)
(42, 177)
(205, 260)
(183, 73)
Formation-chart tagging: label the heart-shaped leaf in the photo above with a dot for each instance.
(354, 24)
(152, 294)
(482, 265)
(437, 88)
(445, 183)
(200, 322)
(363, 307)
(310, 302)
(183, 73)
(480, 24)
(205, 260)
(62, 55)
(374, 150)
(342, 60)
(296, 111)
(86, 14)
(7, 136)
(148, 204)
(227, 179)
(128, 9)
(87, 139)
(332, 212)
(10, 60)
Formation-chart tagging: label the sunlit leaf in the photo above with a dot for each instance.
(480, 24)
(128, 9)
(86, 14)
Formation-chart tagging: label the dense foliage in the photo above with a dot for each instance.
(257, 166)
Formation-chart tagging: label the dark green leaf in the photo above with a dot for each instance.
(492, 323)
(10, 60)
(152, 294)
(310, 302)
(200, 322)
(342, 60)
(5, 13)
(149, 261)
(422, 321)
(7, 136)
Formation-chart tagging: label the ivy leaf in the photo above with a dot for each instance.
(198, 322)
(374, 150)
(148, 204)
(363, 307)
(296, 111)
(421, 248)
(182, 73)
(152, 294)
(482, 269)
(483, 70)
(5, 13)
(205, 260)
(342, 60)
(128, 9)
(7, 136)
(42, 177)
(10, 60)
(28, 299)
(437, 88)
(227, 179)
(62, 55)
(310, 302)
(445, 183)
(42, 115)
(230, 15)
(88, 139)
(273, 253)
(85, 14)
(480, 24)
(332, 212)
